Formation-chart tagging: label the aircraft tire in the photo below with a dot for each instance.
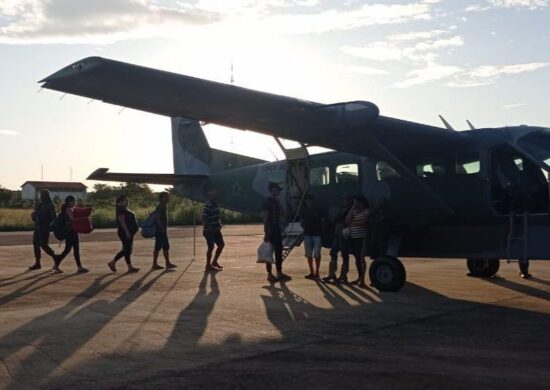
(387, 274)
(483, 268)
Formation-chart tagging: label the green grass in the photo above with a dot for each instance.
(179, 214)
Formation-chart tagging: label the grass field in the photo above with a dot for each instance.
(178, 214)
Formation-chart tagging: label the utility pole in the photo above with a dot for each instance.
(71, 174)
(232, 80)
(42, 172)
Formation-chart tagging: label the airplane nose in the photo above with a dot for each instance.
(68, 71)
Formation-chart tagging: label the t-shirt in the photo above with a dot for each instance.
(211, 216)
(162, 214)
(44, 214)
(312, 221)
(273, 209)
(129, 218)
(360, 219)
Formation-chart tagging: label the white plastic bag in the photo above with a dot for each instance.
(265, 254)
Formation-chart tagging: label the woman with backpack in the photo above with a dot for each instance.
(127, 228)
(72, 241)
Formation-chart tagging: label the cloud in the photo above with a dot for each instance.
(491, 4)
(70, 21)
(364, 70)
(490, 74)
(515, 105)
(432, 72)
(415, 46)
(9, 132)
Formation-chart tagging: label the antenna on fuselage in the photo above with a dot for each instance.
(472, 127)
(447, 124)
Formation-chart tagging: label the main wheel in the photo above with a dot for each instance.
(387, 274)
(483, 268)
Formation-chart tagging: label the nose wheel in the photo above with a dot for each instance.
(483, 268)
(387, 274)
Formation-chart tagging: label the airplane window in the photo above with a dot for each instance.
(431, 169)
(319, 176)
(468, 164)
(347, 174)
(385, 171)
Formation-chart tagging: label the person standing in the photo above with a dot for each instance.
(43, 215)
(312, 220)
(357, 221)
(272, 214)
(72, 241)
(161, 235)
(127, 228)
(212, 231)
(340, 244)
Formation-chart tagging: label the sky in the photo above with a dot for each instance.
(483, 60)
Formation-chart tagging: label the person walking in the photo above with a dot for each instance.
(161, 235)
(312, 220)
(341, 244)
(127, 228)
(212, 231)
(43, 215)
(72, 241)
(357, 221)
(272, 214)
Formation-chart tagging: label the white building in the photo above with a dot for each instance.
(30, 190)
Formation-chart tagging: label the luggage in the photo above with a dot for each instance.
(149, 226)
(265, 254)
(84, 226)
(59, 227)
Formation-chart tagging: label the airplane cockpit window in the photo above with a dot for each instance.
(347, 174)
(468, 163)
(319, 176)
(537, 144)
(385, 171)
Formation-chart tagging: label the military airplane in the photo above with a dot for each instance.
(479, 194)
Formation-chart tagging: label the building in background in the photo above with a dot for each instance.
(30, 190)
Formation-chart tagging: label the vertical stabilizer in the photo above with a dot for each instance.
(192, 153)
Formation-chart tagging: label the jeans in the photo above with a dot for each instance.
(340, 245)
(71, 242)
(127, 248)
(312, 245)
(275, 237)
(40, 240)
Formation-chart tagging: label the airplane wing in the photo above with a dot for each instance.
(103, 174)
(346, 127)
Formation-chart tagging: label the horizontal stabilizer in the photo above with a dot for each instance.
(103, 174)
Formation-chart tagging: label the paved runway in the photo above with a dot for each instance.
(232, 330)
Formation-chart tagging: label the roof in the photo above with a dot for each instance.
(56, 185)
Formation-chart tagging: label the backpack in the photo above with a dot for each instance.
(149, 226)
(59, 227)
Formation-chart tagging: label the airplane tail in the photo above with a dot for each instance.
(194, 156)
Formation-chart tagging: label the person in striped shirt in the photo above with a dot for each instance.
(357, 222)
(212, 231)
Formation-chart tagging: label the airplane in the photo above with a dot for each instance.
(478, 194)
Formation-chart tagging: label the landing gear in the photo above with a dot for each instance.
(483, 268)
(387, 274)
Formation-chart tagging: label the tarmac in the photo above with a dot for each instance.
(187, 329)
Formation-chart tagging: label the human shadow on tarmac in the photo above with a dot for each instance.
(437, 344)
(25, 290)
(10, 281)
(56, 335)
(521, 288)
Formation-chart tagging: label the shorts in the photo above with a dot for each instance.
(161, 241)
(312, 245)
(213, 238)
